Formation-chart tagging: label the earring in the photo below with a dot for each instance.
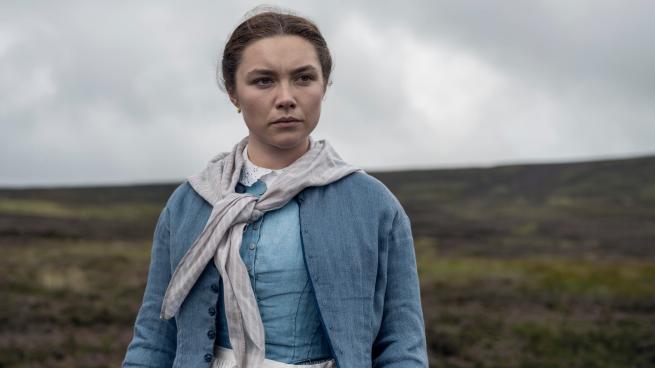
(238, 110)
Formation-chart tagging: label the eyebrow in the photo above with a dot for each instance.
(270, 72)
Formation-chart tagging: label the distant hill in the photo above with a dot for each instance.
(602, 207)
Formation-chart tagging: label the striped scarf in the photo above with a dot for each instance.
(223, 232)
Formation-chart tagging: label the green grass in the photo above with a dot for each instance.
(114, 211)
(537, 312)
(564, 276)
(69, 303)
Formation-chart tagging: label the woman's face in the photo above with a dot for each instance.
(279, 77)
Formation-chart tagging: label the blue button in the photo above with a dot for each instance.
(211, 334)
(214, 288)
(212, 311)
(257, 188)
(208, 358)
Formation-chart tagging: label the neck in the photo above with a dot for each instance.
(274, 158)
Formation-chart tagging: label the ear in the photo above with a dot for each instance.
(325, 86)
(235, 102)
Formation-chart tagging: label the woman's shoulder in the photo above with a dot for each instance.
(365, 181)
(184, 196)
(361, 187)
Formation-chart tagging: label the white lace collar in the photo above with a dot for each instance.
(251, 172)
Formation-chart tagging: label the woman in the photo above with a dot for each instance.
(279, 253)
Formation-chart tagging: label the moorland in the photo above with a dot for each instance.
(536, 265)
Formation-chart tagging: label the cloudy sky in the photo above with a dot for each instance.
(125, 92)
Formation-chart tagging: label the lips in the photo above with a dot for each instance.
(286, 119)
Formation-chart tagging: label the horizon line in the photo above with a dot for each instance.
(158, 182)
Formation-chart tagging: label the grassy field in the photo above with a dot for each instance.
(69, 303)
(538, 311)
(520, 266)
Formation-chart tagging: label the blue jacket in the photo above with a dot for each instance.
(359, 254)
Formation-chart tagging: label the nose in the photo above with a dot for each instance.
(285, 99)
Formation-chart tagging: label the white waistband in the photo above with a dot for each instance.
(224, 358)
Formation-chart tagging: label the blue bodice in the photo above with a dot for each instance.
(272, 251)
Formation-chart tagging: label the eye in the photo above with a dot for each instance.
(262, 81)
(306, 78)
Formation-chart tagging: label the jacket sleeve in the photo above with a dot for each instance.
(154, 341)
(400, 341)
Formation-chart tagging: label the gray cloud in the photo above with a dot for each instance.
(125, 92)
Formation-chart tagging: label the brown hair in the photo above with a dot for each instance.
(271, 22)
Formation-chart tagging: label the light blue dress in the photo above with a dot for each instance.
(272, 251)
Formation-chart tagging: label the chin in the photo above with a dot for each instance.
(288, 141)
